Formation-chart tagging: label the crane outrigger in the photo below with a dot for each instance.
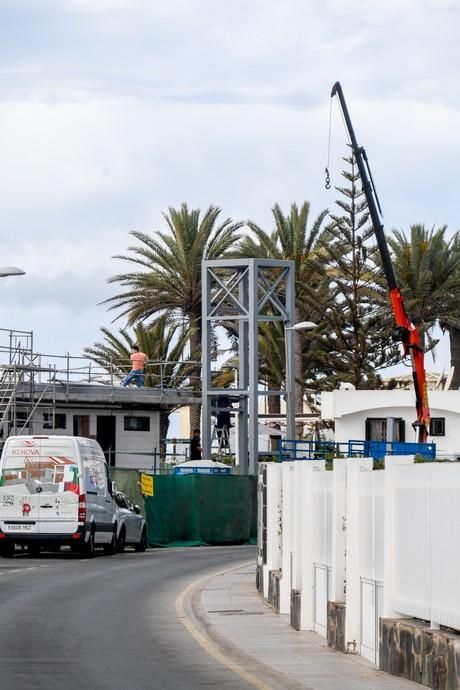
(405, 330)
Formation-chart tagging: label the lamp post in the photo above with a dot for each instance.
(6, 271)
(290, 373)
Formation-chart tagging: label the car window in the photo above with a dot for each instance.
(128, 503)
(120, 500)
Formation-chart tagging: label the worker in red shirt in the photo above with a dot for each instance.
(138, 361)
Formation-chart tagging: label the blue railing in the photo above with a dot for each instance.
(321, 450)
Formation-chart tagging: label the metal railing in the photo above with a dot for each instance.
(326, 450)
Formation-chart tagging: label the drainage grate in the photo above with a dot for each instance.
(237, 612)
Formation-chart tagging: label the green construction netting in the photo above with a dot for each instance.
(198, 509)
(195, 509)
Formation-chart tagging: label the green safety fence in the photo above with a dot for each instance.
(196, 509)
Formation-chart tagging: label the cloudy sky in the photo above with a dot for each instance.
(113, 110)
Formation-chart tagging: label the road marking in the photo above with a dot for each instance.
(22, 570)
(202, 640)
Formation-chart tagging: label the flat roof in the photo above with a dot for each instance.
(91, 394)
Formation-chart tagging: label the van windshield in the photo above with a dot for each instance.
(52, 473)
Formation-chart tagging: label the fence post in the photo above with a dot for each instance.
(68, 374)
(339, 484)
(355, 468)
(390, 527)
(309, 531)
(288, 517)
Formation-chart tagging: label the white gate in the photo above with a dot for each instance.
(322, 585)
(371, 610)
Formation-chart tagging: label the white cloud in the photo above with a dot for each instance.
(113, 110)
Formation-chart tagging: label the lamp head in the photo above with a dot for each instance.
(10, 271)
(302, 326)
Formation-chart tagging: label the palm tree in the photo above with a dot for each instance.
(292, 240)
(428, 271)
(163, 344)
(169, 279)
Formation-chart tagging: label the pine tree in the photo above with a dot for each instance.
(356, 338)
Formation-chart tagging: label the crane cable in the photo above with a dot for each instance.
(327, 183)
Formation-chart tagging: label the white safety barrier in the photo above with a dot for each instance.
(384, 542)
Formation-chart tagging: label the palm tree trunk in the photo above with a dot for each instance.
(454, 335)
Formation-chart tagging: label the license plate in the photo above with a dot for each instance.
(18, 528)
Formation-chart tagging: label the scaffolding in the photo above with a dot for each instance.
(19, 369)
(33, 385)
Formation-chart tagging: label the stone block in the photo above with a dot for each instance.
(410, 649)
(273, 597)
(296, 604)
(260, 579)
(336, 612)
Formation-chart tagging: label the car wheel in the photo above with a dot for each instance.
(88, 548)
(121, 541)
(110, 549)
(143, 542)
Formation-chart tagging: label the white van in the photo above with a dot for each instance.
(55, 490)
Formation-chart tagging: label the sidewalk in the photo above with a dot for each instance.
(234, 615)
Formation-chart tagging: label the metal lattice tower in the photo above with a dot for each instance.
(245, 292)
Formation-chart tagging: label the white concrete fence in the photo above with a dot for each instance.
(384, 542)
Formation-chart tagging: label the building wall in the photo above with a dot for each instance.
(134, 449)
(350, 409)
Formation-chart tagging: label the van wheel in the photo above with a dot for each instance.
(7, 550)
(110, 549)
(88, 548)
(143, 542)
(121, 541)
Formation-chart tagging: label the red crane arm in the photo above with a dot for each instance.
(405, 330)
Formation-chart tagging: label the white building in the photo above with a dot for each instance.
(125, 421)
(388, 415)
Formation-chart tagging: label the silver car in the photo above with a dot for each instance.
(131, 527)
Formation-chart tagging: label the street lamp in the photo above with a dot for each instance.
(290, 373)
(6, 271)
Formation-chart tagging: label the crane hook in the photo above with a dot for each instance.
(328, 179)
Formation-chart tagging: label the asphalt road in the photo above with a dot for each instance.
(107, 622)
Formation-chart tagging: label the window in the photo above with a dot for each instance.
(21, 419)
(380, 428)
(437, 426)
(60, 421)
(95, 475)
(120, 500)
(137, 423)
(376, 429)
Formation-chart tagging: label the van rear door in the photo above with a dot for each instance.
(39, 486)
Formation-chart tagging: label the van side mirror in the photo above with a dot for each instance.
(137, 510)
